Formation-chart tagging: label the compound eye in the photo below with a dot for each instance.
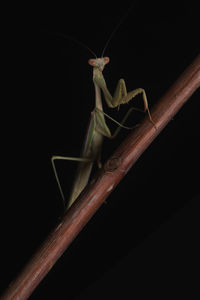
(92, 62)
(106, 60)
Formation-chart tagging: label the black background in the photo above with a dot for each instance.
(145, 238)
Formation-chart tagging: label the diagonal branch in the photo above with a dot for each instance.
(103, 184)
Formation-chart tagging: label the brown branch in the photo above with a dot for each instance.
(103, 184)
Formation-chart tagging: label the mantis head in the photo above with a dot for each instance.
(99, 62)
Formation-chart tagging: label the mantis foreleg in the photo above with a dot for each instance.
(120, 95)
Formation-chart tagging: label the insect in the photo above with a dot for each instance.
(97, 127)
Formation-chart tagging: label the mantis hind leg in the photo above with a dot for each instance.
(79, 159)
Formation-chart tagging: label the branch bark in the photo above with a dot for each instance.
(103, 184)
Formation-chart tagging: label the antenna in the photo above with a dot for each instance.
(117, 27)
(69, 37)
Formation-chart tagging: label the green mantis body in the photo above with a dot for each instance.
(98, 128)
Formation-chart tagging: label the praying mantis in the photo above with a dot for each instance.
(97, 128)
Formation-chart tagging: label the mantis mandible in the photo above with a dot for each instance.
(98, 128)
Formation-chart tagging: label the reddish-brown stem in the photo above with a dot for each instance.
(103, 184)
